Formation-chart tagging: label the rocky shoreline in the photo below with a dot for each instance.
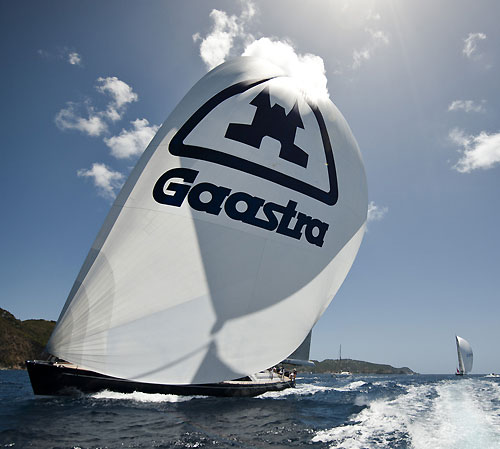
(21, 340)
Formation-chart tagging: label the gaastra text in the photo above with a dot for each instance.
(277, 217)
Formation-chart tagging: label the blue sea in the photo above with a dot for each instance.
(323, 411)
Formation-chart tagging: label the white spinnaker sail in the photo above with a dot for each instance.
(465, 356)
(228, 279)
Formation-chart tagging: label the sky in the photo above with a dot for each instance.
(85, 86)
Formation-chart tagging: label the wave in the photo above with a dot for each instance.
(352, 386)
(299, 390)
(309, 390)
(378, 425)
(459, 414)
(137, 396)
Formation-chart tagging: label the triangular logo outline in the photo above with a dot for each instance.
(177, 147)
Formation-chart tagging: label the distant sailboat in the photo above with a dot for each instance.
(341, 372)
(465, 358)
(224, 247)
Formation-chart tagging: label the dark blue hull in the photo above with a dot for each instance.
(52, 379)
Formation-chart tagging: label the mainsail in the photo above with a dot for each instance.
(465, 356)
(230, 238)
(301, 355)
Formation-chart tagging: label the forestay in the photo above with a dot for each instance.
(229, 239)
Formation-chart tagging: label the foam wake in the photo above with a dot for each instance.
(137, 396)
(459, 414)
(353, 386)
(299, 390)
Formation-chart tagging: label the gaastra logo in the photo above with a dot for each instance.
(272, 122)
(278, 218)
(268, 121)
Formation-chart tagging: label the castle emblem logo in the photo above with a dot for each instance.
(268, 121)
(272, 122)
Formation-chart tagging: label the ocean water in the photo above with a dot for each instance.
(323, 411)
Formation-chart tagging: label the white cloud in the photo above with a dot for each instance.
(249, 11)
(467, 106)
(307, 70)
(215, 48)
(478, 152)
(377, 38)
(471, 41)
(107, 181)
(120, 91)
(358, 56)
(63, 54)
(95, 123)
(376, 213)
(228, 32)
(363, 22)
(132, 142)
(458, 137)
(74, 58)
(121, 94)
(68, 118)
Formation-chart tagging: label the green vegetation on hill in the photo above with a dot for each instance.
(354, 367)
(22, 340)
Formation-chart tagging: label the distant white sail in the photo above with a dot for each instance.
(465, 356)
(230, 238)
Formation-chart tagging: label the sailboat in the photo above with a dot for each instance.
(342, 372)
(226, 244)
(465, 358)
